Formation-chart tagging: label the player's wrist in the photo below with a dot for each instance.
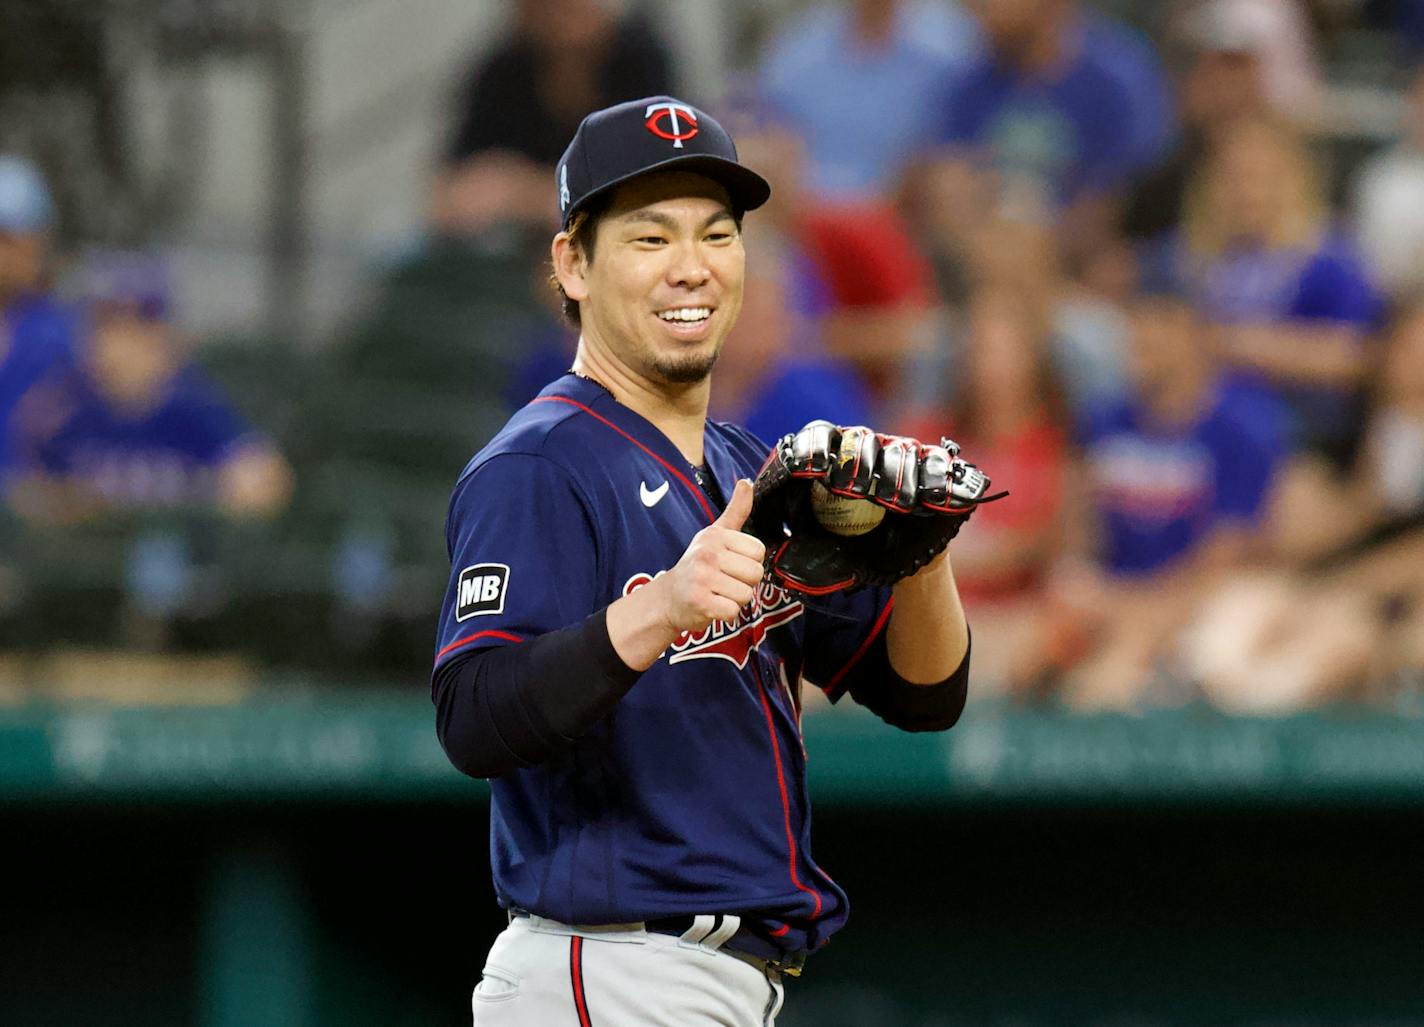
(933, 573)
(640, 624)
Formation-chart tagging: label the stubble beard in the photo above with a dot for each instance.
(682, 368)
(687, 370)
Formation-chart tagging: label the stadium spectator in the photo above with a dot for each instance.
(1289, 301)
(1389, 203)
(854, 81)
(1002, 407)
(1343, 615)
(1046, 126)
(519, 106)
(1178, 480)
(36, 333)
(1224, 81)
(134, 425)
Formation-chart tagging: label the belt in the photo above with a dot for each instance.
(743, 943)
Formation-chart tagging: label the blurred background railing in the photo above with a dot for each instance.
(271, 271)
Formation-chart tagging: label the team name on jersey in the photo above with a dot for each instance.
(734, 640)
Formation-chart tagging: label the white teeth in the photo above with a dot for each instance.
(686, 314)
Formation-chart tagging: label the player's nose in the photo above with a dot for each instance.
(689, 269)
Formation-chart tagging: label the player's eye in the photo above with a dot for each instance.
(651, 240)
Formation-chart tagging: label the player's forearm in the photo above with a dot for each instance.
(515, 706)
(927, 636)
(876, 685)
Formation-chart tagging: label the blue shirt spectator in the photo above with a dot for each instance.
(1160, 492)
(1326, 286)
(1290, 303)
(133, 423)
(165, 455)
(860, 104)
(1078, 127)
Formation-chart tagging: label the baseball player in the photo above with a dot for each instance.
(624, 662)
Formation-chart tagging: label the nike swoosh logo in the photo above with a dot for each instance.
(651, 497)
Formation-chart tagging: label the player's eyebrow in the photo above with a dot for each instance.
(657, 217)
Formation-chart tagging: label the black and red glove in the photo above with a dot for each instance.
(927, 491)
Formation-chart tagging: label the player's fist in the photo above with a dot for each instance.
(719, 571)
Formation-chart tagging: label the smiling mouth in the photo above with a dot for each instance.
(685, 315)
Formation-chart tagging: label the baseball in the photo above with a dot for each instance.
(842, 516)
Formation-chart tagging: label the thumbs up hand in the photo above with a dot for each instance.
(719, 571)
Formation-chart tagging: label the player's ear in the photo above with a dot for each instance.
(570, 267)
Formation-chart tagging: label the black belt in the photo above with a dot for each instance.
(745, 945)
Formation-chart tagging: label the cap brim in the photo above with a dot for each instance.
(746, 189)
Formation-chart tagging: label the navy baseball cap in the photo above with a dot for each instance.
(657, 133)
(126, 279)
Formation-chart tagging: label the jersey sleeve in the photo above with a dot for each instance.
(839, 631)
(1333, 287)
(523, 555)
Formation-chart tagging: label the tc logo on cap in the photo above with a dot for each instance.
(659, 113)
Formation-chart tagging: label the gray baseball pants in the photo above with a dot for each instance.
(542, 973)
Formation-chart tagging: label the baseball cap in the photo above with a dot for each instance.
(25, 205)
(125, 278)
(656, 133)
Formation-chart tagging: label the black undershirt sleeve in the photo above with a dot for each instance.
(873, 683)
(517, 705)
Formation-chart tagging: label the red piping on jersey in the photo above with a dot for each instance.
(701, 497)
(576, 975)
(875, 630)
(779, 931)
(785, 802)
(470, 638)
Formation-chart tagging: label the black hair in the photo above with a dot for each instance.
(583, 233)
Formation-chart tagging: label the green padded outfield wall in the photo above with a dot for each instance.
(311, 864)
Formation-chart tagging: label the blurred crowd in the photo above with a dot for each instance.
(1123, 265)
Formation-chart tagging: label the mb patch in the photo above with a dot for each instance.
(481, 590)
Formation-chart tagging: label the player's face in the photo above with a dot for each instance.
(665, 283)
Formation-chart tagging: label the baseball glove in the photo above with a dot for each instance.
(927, 491)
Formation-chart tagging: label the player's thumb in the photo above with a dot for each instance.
(739, 508)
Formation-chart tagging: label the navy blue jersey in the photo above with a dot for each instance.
(691, 796)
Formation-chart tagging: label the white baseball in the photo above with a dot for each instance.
(842, 516)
